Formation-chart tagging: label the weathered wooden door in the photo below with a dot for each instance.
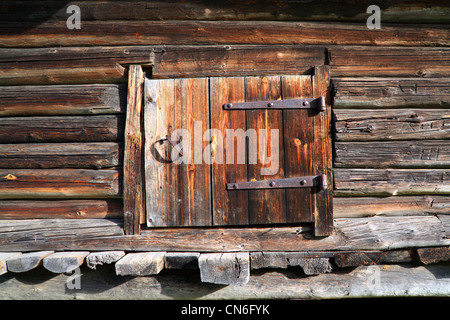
(213, 158)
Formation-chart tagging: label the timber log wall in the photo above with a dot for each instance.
(63, 101)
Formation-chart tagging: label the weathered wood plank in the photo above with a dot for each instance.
(433, 255)
(94, 155)
(27, 261)
(385, 92)
(235, 60)
(64, 262)
(350, 61)
(60, 100)
(354, 207)
(103, 128)
(283, 260)
(312, 266)
(133, 163)
(225, 268)
(445, 220)
(373, 233)
(21, 34)
(5, 256)
(416, 11)
(387, 182)
(391, 124)
(367, 258)
(229, 208)
(265, 206)
(177, 185)
(95, 259)
(322, 154)
(61, 209)
(393, 154)
(140, 264)
(181, 260)
(59, 183)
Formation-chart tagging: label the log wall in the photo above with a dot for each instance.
(63, 100)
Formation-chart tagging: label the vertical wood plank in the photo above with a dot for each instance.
(133, 191)
(298, 139)
(229, 207)
(323, 211)
(265, 206)
(178, 187)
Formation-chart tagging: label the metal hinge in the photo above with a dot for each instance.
(310, 103)
(297, 182)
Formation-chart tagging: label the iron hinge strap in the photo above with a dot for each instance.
(296, 182)
(310, 103)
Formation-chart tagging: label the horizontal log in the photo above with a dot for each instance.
(353, 207)
(373, 233)
(61, 209)
(59, 183)
(95, 155)
(385, 92)
(56, 33)
(231, 60)
(353, 61)
(367, 258)
(393, 154)
(433, 255)
(387, 182)
(388, 280)
(58, 99)
(102, 128)
(391, 124)
(392, 11)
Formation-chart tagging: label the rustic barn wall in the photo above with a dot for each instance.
(62, 94)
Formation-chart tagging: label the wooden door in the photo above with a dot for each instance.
(220, 146)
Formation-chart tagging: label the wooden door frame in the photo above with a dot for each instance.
(133, 175)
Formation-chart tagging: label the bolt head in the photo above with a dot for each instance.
(303, 182)
(271, 183)
(270, 104)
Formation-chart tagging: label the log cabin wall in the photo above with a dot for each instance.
(63, 99)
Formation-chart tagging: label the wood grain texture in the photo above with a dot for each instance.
(140, 264)
(59, 183)
(225, 268)
(387, 182)
(390, 61)
(27, 261)
(178, 187)
(416, 11)
(322, 153)
(396, 92)
(391, 124)
(61, 209)
(133, 163)
(122, 32)
(64, 262)
(61, 155)
(229, 207)
(61, 99)
(371, 233)
(393, 154)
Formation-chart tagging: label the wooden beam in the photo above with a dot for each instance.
(133, 184)
(392, 61)
(371, 233)
(386, 92)
(59, 100)
(388, 182)
(61, 209)
(21, 34)
(59, 183)
(100, 128)
(354, 207)
(95, 259)
(140, 264)
(433, 255)
(225, 268)
(27, 261)
(181, 260)
(4, 256)
(93, 155)
(391, 124)
(64, 262)
(433, 11)
(393, 154)
(367, 258)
